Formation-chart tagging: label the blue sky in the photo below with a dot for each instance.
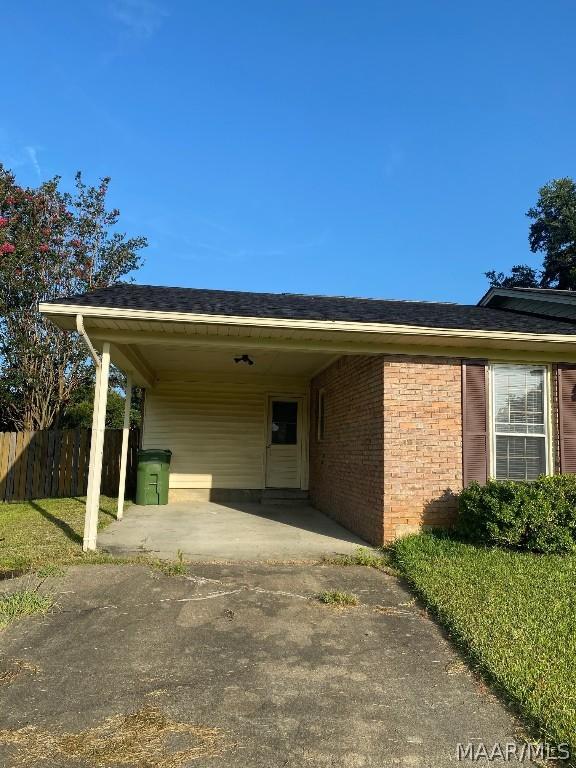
(362, 148)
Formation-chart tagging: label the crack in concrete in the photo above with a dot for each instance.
(198, 598)
(384, 610)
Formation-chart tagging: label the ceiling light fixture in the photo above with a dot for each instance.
(244, 359)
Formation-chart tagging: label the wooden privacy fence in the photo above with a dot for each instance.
(54, 463)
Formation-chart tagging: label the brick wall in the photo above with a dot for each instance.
(347, 467)
(422, 442)
(391, 459)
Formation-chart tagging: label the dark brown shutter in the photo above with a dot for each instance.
(567, 417)
(474, 422)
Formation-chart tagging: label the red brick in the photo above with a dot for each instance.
(392, 453)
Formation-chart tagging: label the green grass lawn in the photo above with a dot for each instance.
(34, 534)
(26, 602)
(513, 614)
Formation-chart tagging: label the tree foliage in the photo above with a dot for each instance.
(521, 276)
(553, 233)
(78, 411)
(52, 244)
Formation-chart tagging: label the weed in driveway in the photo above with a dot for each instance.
(26, 602)
(370, 558)
(338, 598)
(145, 738)
(172, 567)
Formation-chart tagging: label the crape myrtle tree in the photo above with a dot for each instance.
(53, 244)
(553, 233)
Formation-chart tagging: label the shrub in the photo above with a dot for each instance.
(538, 516)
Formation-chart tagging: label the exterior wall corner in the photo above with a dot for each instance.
(347, 465)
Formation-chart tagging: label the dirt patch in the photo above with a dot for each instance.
(10, 669)
(12, 574)
(146, 738)
(456, 667)
(391, 610)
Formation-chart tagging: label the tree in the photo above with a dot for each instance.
(78, 411)
(52, 244)
(521, 276)
(553, 233)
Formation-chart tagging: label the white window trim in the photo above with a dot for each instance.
(548, 434)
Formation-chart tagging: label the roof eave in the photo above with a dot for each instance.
(56, 311)
(485, 300)
(528, 294)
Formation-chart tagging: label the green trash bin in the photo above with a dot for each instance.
(153, 476)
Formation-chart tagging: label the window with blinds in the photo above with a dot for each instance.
(519, 421)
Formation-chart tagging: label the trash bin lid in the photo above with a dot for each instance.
(154, 454)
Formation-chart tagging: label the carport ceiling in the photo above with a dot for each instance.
(270, 362)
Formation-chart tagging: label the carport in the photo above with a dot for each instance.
(228, 395)
(230, 531)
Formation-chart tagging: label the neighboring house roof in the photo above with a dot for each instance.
(540, 302)
(289, 306)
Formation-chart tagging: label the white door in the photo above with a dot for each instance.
(284, 446)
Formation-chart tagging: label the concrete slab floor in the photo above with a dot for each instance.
(246, 649)
(236, 532)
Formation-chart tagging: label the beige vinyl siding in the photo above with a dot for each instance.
(215, 428)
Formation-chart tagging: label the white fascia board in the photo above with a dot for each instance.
(312, 325)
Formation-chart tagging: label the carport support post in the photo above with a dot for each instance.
(93, 437)
(96, 450)
(124, 454)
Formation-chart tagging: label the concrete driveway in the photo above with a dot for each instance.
(236, 666)
(209, 531)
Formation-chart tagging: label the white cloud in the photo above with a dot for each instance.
(141, 18)
(17, 156)
(33, 158)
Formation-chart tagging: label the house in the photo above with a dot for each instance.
(380, 410)
(545, 302)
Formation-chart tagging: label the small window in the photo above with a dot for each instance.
(284, 422)
(519, 421)
(321, 415)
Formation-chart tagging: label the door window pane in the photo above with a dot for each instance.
(519, 393)
(284, 423)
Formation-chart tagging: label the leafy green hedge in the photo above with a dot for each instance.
(538, 516)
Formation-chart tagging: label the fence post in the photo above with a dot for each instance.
(4, 451)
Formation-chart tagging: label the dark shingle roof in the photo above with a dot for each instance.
(303, 307)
